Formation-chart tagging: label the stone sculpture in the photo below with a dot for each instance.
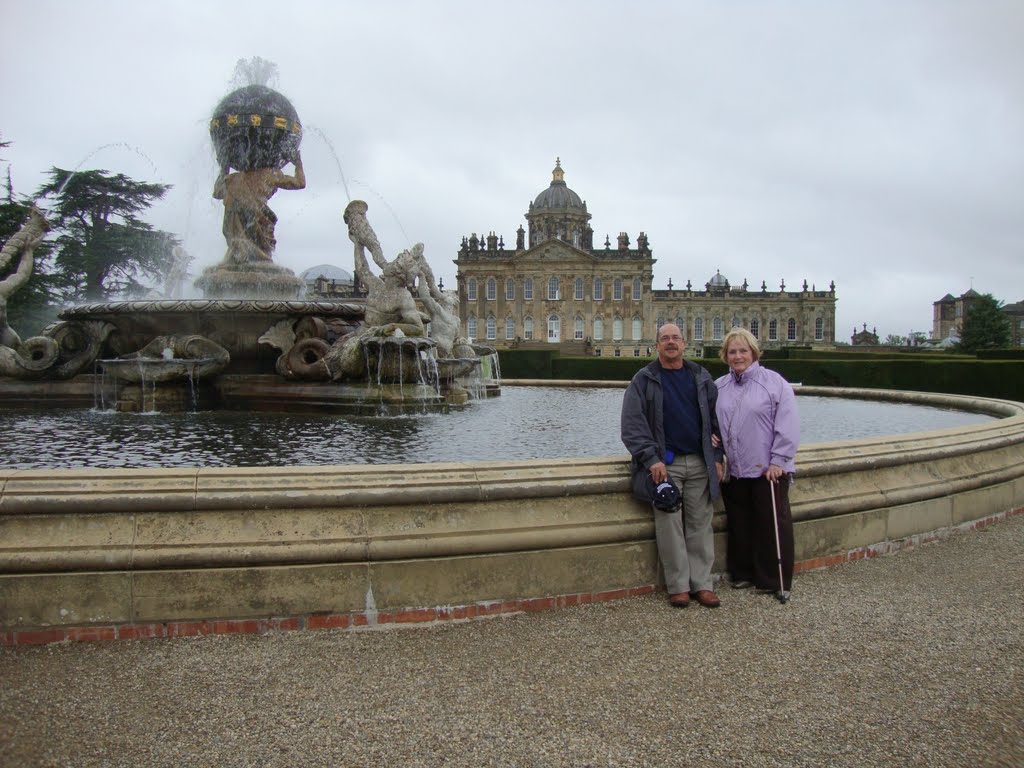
(170, 358)
(20, 248)
(248, 221)
(256, 134)
(63, 350)
(389, 303)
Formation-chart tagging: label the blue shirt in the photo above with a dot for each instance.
(681, 411)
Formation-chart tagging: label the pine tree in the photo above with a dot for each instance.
(102, 248)
(986, 326)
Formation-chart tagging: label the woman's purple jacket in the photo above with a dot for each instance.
(759, 421)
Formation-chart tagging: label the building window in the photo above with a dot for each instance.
(791, 330)
(657, 326)
(598, 289)
(578, 289)
(819, 329)
(554, 328)
(492, 289)
(616, 290)
(510, 328)
(528, 289)
(598, 329)
(471, 289)
(636, 352)
(773, 330)
(578, 328)
(528, 328)
(755, 327)
(492, 328)
(510, 289)
(617, 329)
(597, 352)
(471, 327)
(637, 288)
(716, 329)
(553, 289)
(618, 352)
(637, 329)
(698, 329)
(736, 322)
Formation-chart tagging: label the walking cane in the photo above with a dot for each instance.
(783, 594)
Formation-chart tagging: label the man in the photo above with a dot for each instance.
(668, 419)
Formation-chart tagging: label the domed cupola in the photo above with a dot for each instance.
(718, 282)
(558, 194)
(558, 213)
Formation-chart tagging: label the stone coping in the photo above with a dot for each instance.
(422, 617)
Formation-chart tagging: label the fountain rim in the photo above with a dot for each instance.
(217, 306)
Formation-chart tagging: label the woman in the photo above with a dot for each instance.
(760, 432)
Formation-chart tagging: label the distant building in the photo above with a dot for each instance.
(948, 315)
(1016, 314)
(326, 281)
(864, 337)
(555, 287)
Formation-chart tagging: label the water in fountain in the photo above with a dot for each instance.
(524, 423)
(333, 152)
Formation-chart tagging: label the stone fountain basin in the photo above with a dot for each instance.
(333, 545)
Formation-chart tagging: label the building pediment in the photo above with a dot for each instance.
(555, 251)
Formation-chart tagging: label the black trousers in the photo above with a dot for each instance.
(750, 549)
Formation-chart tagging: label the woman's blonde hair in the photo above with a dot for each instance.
(740, 334)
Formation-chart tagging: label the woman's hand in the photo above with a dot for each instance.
(715, 442)
(774, 472)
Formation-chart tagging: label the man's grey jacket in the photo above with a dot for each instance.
(643, 426)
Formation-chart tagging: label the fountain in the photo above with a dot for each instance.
(251, 343)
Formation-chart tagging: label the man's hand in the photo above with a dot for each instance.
(659, 473)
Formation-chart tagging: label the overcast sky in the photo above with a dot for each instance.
(876, 144)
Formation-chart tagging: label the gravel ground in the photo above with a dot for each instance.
(911, 660)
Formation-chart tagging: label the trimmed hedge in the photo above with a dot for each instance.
(952, 375)
(894, 354)
(1014, 353)
(526, 363)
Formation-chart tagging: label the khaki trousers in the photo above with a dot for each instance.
(686, 545)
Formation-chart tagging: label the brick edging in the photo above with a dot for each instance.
(426, 616)
(313, 621)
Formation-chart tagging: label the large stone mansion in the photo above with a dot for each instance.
(555, 287)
